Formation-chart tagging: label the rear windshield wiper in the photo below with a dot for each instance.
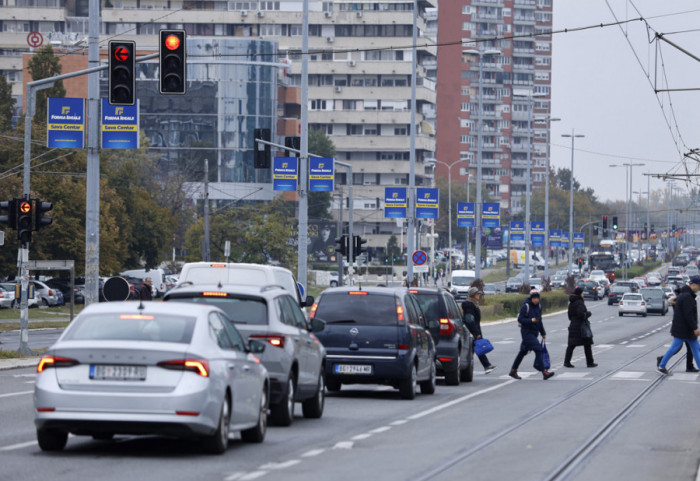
(342, 321)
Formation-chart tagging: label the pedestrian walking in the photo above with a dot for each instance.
(580, 333)
(472, 319)
(684, 327)
(145, 291)
(689, 367)
(530, 322)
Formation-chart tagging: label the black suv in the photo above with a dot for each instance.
(454, 345)
(376, 335)
(591, 289)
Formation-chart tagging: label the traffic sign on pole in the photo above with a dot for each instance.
(419, 258)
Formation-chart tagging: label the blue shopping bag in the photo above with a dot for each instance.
(545, 359)
(482, 346)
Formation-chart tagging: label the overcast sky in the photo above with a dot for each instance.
(601, 90)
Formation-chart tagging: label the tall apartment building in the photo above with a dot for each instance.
(515, 88)
(360, 69)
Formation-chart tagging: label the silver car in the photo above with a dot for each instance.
(7, 297)
(167, 369)
(294, 356)
(632, 303)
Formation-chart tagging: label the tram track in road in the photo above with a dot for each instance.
(574, 460)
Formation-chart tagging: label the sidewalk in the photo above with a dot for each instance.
(19, 362)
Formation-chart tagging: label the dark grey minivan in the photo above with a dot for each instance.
(655, 299)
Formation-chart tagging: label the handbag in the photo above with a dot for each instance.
(586, 332)
(546, 364)
(482, 346)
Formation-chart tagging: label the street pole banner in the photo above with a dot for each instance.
(427, 203)
(517, 230)
(466, 214)
(285, 172)
(537, 233)
(554, 238)
(395, 202)
(66, 123)
(120, 126)
(321, 172)
(565, 240)
(491, 214)
(579, 240)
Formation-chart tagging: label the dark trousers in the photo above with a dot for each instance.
(521, 355)
(484, 361)
(586, 349)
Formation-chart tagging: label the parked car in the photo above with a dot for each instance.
(514, 284)
(294, 357)
(616, 293)
(376, 335)
(490, 289)
(164, 369)
(535, 283)
(632, 303)
(453, 346)
(63, 285)
(590, 289)
(655, 300)
(32, 301)
(7, 297)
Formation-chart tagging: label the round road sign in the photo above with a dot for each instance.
(116, 289)
(419, 258)
(35, 39)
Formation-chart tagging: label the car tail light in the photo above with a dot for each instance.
(399, 313)
(312, 314)
(197, 366)
(217, 265)
(50, 293)
(55, 361)
(413, 291)
(403, 347)
(644, 303)
(274, 339)
(620, 301)
(358, 293)
(214, 294)
(446, 327)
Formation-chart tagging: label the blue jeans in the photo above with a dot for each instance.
(675, 347)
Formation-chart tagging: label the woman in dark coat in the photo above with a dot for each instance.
(530, 322)
(472, 319)
(578, 315)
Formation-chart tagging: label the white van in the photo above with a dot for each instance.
(460, 282)
(241, 274)
(156, 275)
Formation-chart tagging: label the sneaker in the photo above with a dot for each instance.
(658, 360)
(546, 375)
(568, 364)
(663, 370)
(489, 369)
(514, 374)
(692, 369)
(592, 365)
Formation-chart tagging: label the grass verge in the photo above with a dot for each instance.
(14, 326)
(501, 306)
(62, 312)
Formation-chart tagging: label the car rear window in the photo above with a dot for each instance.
(132, 327)
(364, 309)
(632, 297)
(223, 275)
(430, 304)
(462, 280)
(620, 289)
(241, 310)
(652, 293)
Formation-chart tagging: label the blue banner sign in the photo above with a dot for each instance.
(66, 123)
(579, 240)
(285, 173)
(565, 240)
(537, 233)
(395, 202)
(321, 172)
(554, 238)
(466, 214)
(120, 126)
(517, 230)
(427, 202)
(491, 214)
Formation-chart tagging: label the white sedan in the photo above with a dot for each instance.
(632, 303)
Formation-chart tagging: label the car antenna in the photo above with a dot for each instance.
(141, 306)
(219, 285)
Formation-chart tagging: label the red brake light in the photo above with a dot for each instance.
(214, 294)
(413, 291)
(312, 314)
(136, 317)
(357, 293)
(399, 313)
(197, 366)
(446, 327)
(55, 361)
(217, 265)
(50, 293)
(274, 339)
(644, 303)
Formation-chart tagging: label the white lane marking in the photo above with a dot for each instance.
(398, 422)
(29, 382)
(234, 476)
(360, 437)
(503, 342)
(636, 345)
(12, 447)
(606, 346)
(24, 375)
(16, 394)
(570, 375)
(344, 445)
(684, 376)
(459, 400)
(286, 464)
(253, 475)
(312, 453)
(628, 375)
(380, 430)
(624, 342)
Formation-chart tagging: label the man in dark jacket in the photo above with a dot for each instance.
(472, 319)
(684, 327)
(578, 317)
(145, 291)
(530, 322)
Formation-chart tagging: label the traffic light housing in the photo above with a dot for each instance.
(122, 75)
(580, 262)
(341, 245)
(9, 219)
(263, 152)
(614, 224)
(673, 228)
(25, 216)
(605, 222)
(292, 143)
(40, 208)
(173, 62)
(357, 248)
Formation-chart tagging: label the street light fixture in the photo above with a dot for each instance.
(628, 175)
(573, 136)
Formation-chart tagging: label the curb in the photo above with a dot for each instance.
(18, 363)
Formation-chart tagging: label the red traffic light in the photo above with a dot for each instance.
(172, 42)
(25, 207)
(605, 217)
(121, 54)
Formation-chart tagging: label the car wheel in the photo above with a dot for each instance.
(428, 387)
(610, 303)
(452, 377)
(45, 302)
(257, 434)
(51, 440)
(283, 412)
(407, 387)
(218, 442)
(619, 314)
(644, 315)
(334, 283)
(313, 407)
(467, 374)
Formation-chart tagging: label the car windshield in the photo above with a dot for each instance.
(132, 327)
(462, 280)
(364, 309)
(241, 310)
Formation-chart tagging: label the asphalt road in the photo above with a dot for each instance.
(494, 428)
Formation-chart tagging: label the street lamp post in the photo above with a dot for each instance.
(549, 121)
(449, 213)
(628, 221)
(573, 136)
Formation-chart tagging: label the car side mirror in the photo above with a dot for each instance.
(309, 301)
(317, 325)
(255, 346)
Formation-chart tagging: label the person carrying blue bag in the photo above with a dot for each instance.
(530, 322)
(472, 319)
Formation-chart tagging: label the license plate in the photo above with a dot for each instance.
(352, 369)
(106, 372)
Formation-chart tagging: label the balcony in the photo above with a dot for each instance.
(369, 117)
(398, 143)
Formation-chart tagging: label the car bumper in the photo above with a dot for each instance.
(633, 310)
(383, 371)
(446, 353)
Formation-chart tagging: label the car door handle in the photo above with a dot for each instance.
(246, 368)
(231, 367)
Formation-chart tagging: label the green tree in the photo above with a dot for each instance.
(393, 249)
(320, 202)
(42, 65)
(7, 105)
